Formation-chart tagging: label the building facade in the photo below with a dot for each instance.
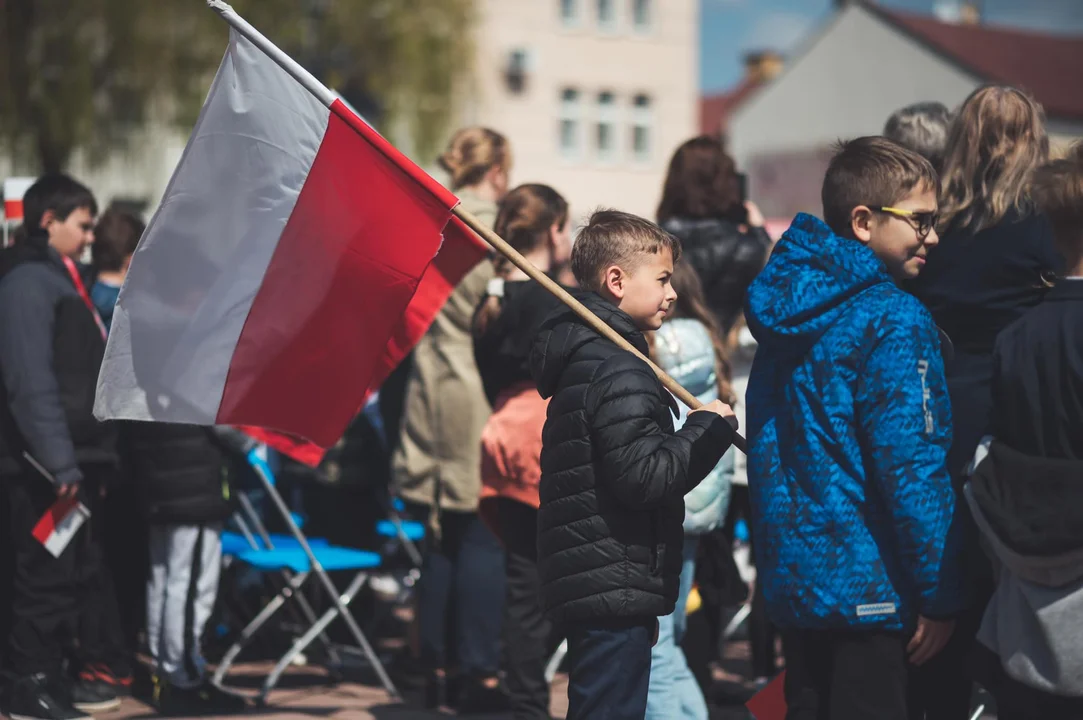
(866, 63)
(593, 95)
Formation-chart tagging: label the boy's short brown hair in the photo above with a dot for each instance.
(612, 237)
(1057, 190)
(116, 237)
(872, 171)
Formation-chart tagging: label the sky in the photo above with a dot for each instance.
(730, 28)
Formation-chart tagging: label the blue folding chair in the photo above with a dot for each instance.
(299, 561)
(236, 543)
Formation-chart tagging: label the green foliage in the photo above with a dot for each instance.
(84, 74)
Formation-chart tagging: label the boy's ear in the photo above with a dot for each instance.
(861, 220)
(47, 217)
(614, 281)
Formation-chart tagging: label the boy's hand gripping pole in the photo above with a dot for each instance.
(516, 258)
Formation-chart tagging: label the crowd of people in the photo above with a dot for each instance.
(906, 368)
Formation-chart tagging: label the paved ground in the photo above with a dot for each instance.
(304, 693)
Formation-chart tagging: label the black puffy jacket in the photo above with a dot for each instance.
(614, 473)
(726, 259)
(179, 470)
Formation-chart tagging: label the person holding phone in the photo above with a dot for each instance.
(705, 204)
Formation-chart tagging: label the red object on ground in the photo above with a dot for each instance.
(770, 703)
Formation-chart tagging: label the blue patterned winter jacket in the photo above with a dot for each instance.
(849, 424)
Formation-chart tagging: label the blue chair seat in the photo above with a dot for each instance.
(235, 543)
(330, 557)
(413, 530)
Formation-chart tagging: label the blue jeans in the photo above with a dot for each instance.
(674, 692)
(610, 667)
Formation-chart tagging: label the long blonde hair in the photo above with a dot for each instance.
(995, 144)
(472, 152)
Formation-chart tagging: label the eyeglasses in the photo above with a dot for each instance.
(923, 222)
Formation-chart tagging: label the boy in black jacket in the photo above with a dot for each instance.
(51, 346)
(614, 473)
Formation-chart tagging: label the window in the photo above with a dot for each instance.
(569, 123)
(515, 75)
(641, 15)
(641, 128)
(606, 128)
(569, 12)
(607, 14)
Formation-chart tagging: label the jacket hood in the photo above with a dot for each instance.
(808, 282)
(563, 333)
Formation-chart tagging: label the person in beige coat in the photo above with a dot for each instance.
(436, 467)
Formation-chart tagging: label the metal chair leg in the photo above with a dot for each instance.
(264, 473)
(742, 615)
(554, 662)
(258, 621)
(317, 629)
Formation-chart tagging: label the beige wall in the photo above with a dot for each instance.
(662, 63)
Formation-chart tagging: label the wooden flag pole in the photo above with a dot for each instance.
(501, 246)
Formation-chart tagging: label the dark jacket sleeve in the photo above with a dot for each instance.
(642, 464)
(233, 440)
(905, 424)
(27, 317)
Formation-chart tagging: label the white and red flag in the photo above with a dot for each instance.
(295, 259)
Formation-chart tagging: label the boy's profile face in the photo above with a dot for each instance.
(70, 236)
(895, 235)
(645, 292)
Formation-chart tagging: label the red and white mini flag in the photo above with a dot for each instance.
(14, 189)
(289, 268)
(58, 525)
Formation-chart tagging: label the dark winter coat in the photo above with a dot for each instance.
(848, 428)
(1027, 497)
(614, 473)
(726, 259)
(502, 352)
(975, 285)
(179, 470)
(50, 352)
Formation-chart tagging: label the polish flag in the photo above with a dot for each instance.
(58, 525)
(295, 259)
(14, 189)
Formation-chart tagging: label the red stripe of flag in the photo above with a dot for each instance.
(390, 226)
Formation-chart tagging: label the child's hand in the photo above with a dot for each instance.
(720, 408)
(929, 639)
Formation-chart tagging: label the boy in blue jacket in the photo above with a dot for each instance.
(849, 427)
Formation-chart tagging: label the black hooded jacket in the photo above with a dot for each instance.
(614, 473)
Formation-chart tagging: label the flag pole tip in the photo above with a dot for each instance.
(219, 5)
